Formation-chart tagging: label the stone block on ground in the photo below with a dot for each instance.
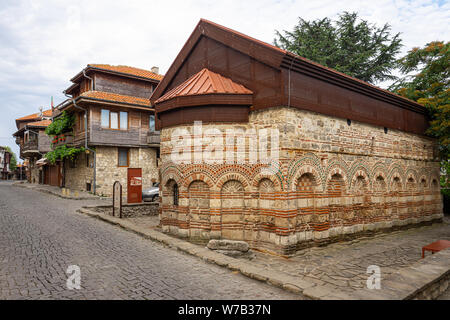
(228, 245)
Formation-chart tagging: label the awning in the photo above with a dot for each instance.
(42, 162)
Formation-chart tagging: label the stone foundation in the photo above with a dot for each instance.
(130, 210)
(332, 180)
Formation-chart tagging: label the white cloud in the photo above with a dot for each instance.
(45, 43)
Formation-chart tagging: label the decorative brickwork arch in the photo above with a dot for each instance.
(434, 185)
(433, 176)
(277, 177)
(358, 173)
(380, 169)
(171, 173)
(202, 172)
(380, 185)
(423, 182)
(241, 172)
(187, 181)
(232, 176)
(308, 163)
(337, 169)
(256, 181)
(396, 184)
(411, 173)
(312, 171)
(396, 171)
(377, 173)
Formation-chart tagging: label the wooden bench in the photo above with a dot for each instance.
(435, 247)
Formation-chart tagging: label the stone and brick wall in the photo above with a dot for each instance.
(108, 171)
(333, 179)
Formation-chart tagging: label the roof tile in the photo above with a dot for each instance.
(116, 97)
(205, 82)
(42, 123)
(45, 113)
(129, 70)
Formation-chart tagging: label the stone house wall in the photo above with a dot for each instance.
(34, 170)
(332, 179)
(108, 171)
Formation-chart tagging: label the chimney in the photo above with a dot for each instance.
(155, 70)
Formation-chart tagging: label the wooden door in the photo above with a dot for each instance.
(54, 175)
(134, 185)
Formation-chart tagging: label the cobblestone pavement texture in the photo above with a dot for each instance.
(41, 235)
(342, 267)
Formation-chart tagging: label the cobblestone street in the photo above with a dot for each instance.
(41, 235)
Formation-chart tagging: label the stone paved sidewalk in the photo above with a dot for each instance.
(342, 267)
(337, 270)
(71, 194)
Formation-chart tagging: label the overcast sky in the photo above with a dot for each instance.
(45, 43)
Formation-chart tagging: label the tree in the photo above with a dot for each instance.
(426, 80)
(353, 47)
(13, 160)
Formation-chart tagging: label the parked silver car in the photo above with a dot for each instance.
(152, 193)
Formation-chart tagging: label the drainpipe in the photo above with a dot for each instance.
(92, 80)
(85, 136)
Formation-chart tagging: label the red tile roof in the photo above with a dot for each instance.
(205, 82)
(42, 123)
(116, 97)
(45, 113)
(129, 70)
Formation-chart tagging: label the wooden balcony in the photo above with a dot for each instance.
(30, 147)
(154, 138)
(61, 139)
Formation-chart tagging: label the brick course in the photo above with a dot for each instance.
(333, 180)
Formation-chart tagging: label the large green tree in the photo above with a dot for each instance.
(349, 45)
(426, 80)
(13, 161)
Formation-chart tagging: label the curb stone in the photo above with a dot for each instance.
(277, 279)
(35, 188)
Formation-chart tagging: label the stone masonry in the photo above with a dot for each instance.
(108, 171)
(333, 179)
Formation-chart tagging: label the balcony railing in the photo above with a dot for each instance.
(154, 138)
(30, 146)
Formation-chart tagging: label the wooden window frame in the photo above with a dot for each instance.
(128, 122)
(118, 157)
(154, 123)
(118, 119)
